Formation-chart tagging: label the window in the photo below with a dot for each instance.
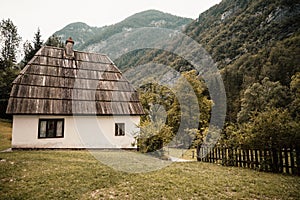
(119, 129)
(51, 128)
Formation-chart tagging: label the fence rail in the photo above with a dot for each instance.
(277, 160)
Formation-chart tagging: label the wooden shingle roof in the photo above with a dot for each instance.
(85, 84)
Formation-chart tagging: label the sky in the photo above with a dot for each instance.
(52, 15)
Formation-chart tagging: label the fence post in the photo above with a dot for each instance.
(198, 152)
(222, 155)
(298, 158)
(247, 158)
(280, 160)
(292, 160)
(236, 157)
(274, 162)
(251, 159)
(260, 159)
(256, 164)
(286, 160)
(219, 155)
(240, 157)
(210, 155)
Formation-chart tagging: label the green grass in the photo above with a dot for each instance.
(78, 175)
(5, 134)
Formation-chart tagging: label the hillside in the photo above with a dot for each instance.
(256, 46)
(250, 40)
(79, 31)
(237, 27)
(87, 37)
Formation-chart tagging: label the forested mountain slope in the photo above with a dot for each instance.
(250, 40)
(256, 46)
(87, 38)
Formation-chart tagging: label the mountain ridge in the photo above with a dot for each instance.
(85, 35)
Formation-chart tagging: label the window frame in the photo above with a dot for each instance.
(119, 129)
(56, 120)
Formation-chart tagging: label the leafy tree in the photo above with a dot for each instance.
(153, 136)
(189, 106)
(155, 133)
(272, 128)
(262, 96)
(164, 112)
(295, 91)
(9, 42)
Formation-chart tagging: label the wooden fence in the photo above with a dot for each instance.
(277, 160)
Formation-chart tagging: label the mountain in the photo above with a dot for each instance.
(79, 31)
(87, 37)
(237, 27)
(250, 40)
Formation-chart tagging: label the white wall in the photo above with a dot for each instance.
(79, 132)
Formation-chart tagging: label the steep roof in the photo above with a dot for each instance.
(83, 84)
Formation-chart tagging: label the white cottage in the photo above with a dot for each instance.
(71, 99)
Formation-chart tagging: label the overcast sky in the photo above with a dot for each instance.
(52, 15)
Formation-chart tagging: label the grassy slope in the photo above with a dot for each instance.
(77, 175)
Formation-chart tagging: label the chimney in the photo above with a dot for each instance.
(69, 52)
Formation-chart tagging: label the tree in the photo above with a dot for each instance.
(164, 113)
(153, 136)
(28, 53)
(9, 42)
(37, 42)
(189, 86)
(31, 49)
(272, 128)
(260, 97)
(295, 91)
(54, 41)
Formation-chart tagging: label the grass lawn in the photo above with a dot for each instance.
(78, 175)
(5, 134)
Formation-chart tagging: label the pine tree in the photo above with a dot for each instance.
(31, 49)
(9, 43)
(37, 43)
(54, 41)
(28, 52)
